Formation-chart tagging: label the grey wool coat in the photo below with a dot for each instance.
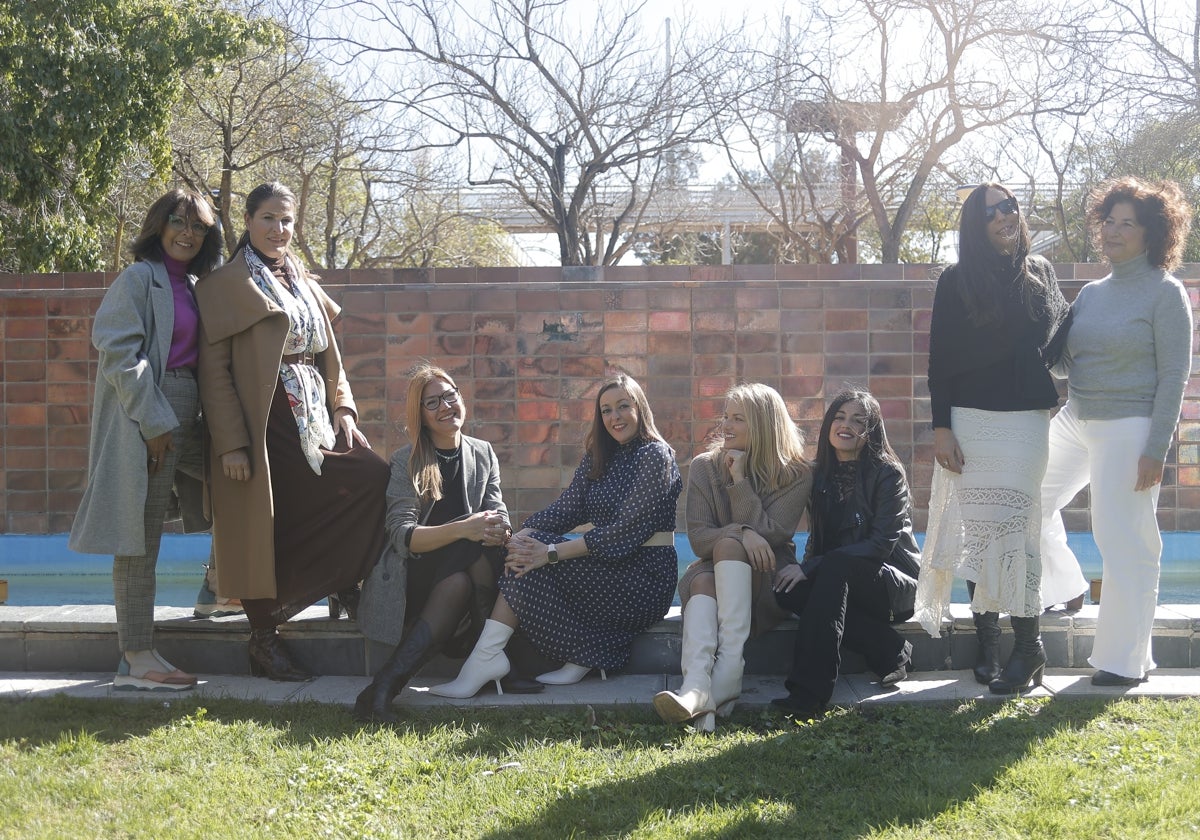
(132, 331)
(381, 610)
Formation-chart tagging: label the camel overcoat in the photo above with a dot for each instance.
(242, 333)
(132, 331)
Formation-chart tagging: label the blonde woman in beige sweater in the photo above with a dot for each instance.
(745, 496)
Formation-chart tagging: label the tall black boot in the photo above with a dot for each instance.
(987, 660)
(374, 703)
(1028, 661)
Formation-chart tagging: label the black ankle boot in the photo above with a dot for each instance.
(345, 600)
(374, 703)
(269, 658)
(1028, 661)
(987, 659)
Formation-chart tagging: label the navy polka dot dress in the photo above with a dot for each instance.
(587, 610)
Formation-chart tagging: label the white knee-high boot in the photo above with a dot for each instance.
(699, 649)
(733, 580)
(487, 663)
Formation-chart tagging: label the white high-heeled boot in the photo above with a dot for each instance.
(699, 643)
(734, 603)
(568, 674)
(487, 663)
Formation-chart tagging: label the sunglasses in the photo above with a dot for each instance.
(450, 398)
(179, 224)
(1007, 207)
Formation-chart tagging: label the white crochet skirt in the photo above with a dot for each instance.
(985, 524)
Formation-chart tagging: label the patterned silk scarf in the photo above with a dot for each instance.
(303, 384)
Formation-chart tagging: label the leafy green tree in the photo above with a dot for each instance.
(1154, 150)
(84, 84)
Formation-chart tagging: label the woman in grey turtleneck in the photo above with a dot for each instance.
(1127, 361)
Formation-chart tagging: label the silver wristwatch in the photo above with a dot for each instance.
(551, 555)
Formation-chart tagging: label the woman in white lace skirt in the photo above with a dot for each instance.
(998, 321)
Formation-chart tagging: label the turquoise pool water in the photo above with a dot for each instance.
(41, 570)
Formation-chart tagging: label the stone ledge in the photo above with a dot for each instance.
(84, 638)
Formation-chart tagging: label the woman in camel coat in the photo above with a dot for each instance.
(296, 516)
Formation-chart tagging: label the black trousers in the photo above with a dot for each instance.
(844, 602)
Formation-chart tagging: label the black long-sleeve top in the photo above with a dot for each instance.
(994, 367)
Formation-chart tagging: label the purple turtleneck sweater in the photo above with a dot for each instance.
(185, 349)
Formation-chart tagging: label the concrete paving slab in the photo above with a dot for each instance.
(13, 689)
(928, 687)
(632, 689)
(339, 691)
(1163, 682)
(14, 619)
(625, 689)
(226, 686)
(759, 690)
(49, 683)
(75, 618)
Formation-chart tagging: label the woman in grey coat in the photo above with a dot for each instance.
(446, 524)
(146, 434)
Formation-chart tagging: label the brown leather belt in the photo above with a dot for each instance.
(300, 359)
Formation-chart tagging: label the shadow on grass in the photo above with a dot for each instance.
(43, 720)
(838, 778)
(762, 776)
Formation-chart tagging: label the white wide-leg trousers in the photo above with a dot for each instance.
(1104, 454)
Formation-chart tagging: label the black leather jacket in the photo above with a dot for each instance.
(876, 524)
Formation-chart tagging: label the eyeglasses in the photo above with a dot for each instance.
(450, 398)
(1007, 207)
(179, 224)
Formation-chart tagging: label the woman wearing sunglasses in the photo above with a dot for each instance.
(998, 325)
(146, 435)
(1127, 362)
(297, 493)
(447, 525)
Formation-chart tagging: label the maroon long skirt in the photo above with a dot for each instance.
(328, 527)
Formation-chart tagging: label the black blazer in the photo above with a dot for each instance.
(876, 524)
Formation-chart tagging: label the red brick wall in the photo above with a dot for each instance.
(529, 347)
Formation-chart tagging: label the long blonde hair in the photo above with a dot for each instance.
(775, 452)
(422, 461)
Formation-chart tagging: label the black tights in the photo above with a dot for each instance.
(459, 603)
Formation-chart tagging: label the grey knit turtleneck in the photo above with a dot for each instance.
(1129, 351)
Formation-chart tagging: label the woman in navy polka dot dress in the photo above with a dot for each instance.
(582, 601)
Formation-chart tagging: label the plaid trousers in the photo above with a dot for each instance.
(133, 577)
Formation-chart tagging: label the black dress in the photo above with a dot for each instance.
(428, 569)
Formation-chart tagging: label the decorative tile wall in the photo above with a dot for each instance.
(529, 348)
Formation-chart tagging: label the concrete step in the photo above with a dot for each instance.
(627, 690)
(84, 639)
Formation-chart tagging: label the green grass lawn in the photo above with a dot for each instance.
(1083, 768)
